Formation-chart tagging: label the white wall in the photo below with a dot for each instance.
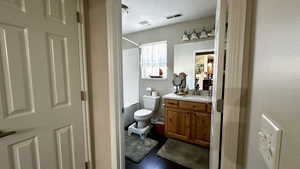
(184, 58)
(275, 80)
(130, 76)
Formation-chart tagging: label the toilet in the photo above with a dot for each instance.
(142, 117)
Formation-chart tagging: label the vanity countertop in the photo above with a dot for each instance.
(193, 98)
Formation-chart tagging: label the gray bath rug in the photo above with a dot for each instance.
(187, 155)
(136, 148)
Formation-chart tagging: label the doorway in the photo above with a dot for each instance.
(109, 102)
(165, 42)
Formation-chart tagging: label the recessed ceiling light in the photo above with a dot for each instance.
(174, 16)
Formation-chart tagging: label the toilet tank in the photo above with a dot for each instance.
(151, 102)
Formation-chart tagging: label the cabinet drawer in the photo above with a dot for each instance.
(193, 106)
(171, 103)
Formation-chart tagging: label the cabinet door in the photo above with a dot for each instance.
(201, 128)
(178, 124)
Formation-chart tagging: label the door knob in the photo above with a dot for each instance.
(6, 133)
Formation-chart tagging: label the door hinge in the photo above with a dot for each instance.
(87, 165)
(78, 17)
(220, 103)
(83, 95)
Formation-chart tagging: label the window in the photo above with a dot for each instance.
(154, 60)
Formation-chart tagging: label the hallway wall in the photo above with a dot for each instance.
(275, 80)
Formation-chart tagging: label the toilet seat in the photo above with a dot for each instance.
(143, 114)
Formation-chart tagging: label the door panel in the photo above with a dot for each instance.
(178, 124)
(59, 68)
(25, 154)
(16, 88)
(40, 85)
(56, 10)
(16, 4)
(65, 147)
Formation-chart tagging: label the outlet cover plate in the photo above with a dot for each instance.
(270, 136)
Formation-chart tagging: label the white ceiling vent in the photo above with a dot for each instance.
(174, 16)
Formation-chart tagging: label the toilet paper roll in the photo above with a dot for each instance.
(154, 93)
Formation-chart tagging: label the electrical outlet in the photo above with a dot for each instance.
(270, 136)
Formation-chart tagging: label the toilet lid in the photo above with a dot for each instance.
(142, 113)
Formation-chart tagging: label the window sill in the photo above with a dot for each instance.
(155, 78)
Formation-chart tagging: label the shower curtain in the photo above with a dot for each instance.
(130, 83)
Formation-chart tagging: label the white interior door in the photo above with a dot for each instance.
(40, 85)
(218, 83)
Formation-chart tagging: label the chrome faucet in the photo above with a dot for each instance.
(196, 90)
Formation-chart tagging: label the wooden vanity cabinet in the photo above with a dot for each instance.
(178, 124)
(200, 128)
(188, 121)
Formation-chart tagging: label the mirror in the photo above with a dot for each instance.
(204, 65)
(196, 60)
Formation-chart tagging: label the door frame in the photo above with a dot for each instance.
(218, 84)
(236, 83)
(236, 95)
(81, 4)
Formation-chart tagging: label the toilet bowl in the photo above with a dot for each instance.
(142, 117)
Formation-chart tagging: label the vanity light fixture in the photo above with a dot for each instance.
(185, 36)
(194, 35)
(203, 34)
(212, 32)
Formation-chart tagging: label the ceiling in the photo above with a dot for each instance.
(156, 11)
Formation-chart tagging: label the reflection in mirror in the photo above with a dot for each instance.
(185, 61)
(204, 62)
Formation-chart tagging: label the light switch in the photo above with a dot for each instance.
(270, 136)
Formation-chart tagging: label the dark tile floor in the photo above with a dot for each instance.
(153, 161)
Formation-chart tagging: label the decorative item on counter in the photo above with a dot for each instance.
(185, 36)
(179, 82)
(211, 33)
(187, 90)
(194, 35)
(203, 34)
